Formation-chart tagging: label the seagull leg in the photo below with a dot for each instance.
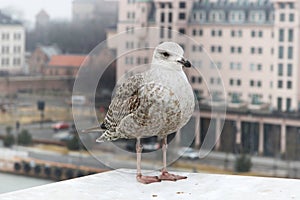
(139, 177)
(165, 175)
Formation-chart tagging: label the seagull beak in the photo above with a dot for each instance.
(184, 62)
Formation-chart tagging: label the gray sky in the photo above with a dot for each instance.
(57, 9)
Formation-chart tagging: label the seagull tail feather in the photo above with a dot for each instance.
(108, 136)
(93, 129)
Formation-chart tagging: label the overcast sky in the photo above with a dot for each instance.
(57, 9)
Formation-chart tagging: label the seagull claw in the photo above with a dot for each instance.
(166, 176)
(147, 179)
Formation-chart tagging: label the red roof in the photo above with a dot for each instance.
(66, 60)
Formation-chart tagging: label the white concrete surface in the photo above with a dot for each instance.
(121, 185)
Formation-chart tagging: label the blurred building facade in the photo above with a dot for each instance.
(12, 45)
(42, 19)
(40, 58)
(64, 65)
(253, 43)
(98, 10)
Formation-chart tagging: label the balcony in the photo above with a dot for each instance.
(121, 184)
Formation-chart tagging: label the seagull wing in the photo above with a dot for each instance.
(125, 102)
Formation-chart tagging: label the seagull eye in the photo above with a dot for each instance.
(165, 54)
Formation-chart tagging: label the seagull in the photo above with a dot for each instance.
(156, 102)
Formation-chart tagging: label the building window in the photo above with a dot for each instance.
(146, 60)
(5, 36)
(17, 36)
(252, 67)
(181, 31)
(195, 16)
(291, 5)
(199, 80)
(16, 61)
(162, 17)
(170, 17)
(182, 4)
(219, 49)
(169, 32)
(231, 82)
(290, 52)
(260, 34)
(289, 85)
(260, 50)
(212, 49)
(281, 35)
(238, 82)
(194, 32)
(291, 35)
(288, 104)
(251, 83)
(259, 67)
(258, 83)
(162, 32)
(280, 52)
(232, 49)
(17, 49)
(252, 33)
(282, 17)
(279, 103)
(280, 84)
(5, 49)
(252, 50)
(213, 33)
(289, 70)
(280, 69)
(5, 61)
(232, 33)
(200, 32)
(162, 5)
(239, 49)
(138, 60)
(194, 48)
(291, 17)
(193, 79)
(240, 33)
(237, 16)
(220, 33)
(281, 5)
(181, 16)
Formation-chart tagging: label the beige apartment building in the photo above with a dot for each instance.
(12, 45)
(253, 44)
(246, 56)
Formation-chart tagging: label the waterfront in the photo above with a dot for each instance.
(10, 182)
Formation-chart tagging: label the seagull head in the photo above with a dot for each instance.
(170, 55)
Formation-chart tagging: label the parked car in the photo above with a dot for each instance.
(149, 144)
(60, 126)
(153, 146)
(188, 153)
(64, 136)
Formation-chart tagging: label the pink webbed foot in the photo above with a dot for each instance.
(147, 179)
(166, 176)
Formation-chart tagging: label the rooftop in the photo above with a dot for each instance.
(42, 13)
(50, 50)
(121, 184)
(7, 20)
(67, 60)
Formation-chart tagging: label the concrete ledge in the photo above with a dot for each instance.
(121, 185)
